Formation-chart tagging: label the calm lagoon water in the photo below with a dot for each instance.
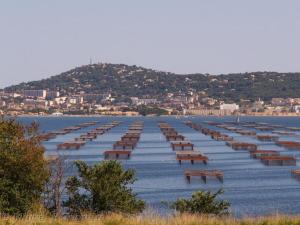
(251, 187)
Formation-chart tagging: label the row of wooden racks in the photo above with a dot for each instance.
(53, 134)
(267, 157)
(185, 151)
(122, 149)
(80, 141)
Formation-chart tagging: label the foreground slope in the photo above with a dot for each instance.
(151, 220)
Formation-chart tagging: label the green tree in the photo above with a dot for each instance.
(146, 110)
(202, 202)
(23, 170)
(102, 188)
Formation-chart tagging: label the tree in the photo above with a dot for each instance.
(202, 202)
(23, 170)
(55, 186)
(146, 110)
(102, 188)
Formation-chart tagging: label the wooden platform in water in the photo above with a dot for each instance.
(170, 132)
(257, 154)
(46, 136)
(70, 145)
(207, 131)
(267, 137)
(174, 137)
(117, 154)
(278, 160)
(221, 137)
(246, 132)
(294, 128)
(167, 129)
(73, 128)
(182, 145)
(124, 145)
(204, 174)
(60, 132)
(192, 158)
(130, 138)
(195, 126)
(296, 173)
(242, 146)
(234, 129)
(86, 137)
(293, 145)
(284, 133)
(264, 128)
(100, 132)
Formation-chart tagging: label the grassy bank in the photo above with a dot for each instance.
(152, 220)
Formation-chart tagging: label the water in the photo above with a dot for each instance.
(251, 187)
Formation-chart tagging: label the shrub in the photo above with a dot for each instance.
(202, 202)
(102, 188)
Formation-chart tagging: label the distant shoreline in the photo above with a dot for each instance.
(180, 116)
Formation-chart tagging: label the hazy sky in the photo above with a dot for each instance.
(40, 38)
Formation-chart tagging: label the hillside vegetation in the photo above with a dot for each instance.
(124, 80)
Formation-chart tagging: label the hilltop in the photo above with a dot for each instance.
(124, 80)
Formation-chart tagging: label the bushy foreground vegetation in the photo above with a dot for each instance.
(183, 219)
(102, 188)
(202, 202)
(23, 170)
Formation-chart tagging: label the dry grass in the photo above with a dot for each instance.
(151, 220)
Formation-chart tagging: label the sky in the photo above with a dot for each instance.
(40, 38)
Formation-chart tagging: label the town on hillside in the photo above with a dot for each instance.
(47, 102)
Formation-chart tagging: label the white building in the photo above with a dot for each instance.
(9, 95)
(278, 102)
(52, 94)
(60, 100)
(258, 105)
(144, 101)
(35, 93)
(57, 114)
(102, 108)
(297, 108)
(76, 99)
(229, 107)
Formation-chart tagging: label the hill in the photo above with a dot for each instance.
(124, 80)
